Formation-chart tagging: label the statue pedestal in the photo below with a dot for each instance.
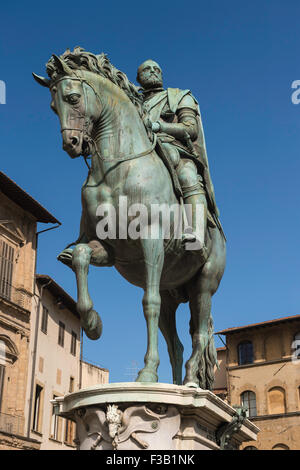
(154, 416)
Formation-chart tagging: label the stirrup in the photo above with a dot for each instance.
(199, 249)
(189, 236)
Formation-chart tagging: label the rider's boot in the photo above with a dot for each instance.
(194, 233)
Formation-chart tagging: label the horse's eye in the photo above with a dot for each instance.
(73, 98)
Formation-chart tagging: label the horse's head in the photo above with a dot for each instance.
(75, 103)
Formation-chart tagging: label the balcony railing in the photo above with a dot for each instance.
(11, 424)
(17, 295)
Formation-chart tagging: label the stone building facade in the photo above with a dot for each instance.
(260, 369)
(55, 365)
(19, 214)
(40, 334)
(92, 374)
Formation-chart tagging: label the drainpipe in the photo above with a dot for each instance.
(36, 246)
(36, 325)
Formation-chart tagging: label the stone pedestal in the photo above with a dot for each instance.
(142, 416)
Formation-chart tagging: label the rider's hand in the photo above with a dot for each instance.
(156, 126)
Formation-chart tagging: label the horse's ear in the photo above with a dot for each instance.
(62, 67)
(41, 80)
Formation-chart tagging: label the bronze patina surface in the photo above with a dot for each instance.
(148, 147)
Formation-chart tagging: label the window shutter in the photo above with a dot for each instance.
(6, 269)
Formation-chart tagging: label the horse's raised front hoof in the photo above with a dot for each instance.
(146, 375)
(65, 257)
(92, 327)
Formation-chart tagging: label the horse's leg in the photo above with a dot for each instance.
(200, 291)
(153, 251)
(90, 319)
(200, 306)
(65, 256)
(167, 325)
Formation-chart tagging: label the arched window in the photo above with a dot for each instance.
(250, 448)
(280, 447)
(245, 353)
(276, 399)
(248, 400)
(8, 355)
(8, 350)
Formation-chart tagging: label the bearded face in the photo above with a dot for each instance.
(150, 75)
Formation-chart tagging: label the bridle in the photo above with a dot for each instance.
(86, 137)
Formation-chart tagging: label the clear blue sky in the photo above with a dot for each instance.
(239, 59)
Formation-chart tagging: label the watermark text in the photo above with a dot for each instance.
(2, 92)
(153, 221)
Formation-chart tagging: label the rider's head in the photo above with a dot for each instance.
(149, 75)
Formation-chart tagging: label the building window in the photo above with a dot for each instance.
(44, 325)
(58, 376)
(6, 269)
(37, 415)
(276, 400)
(61, 334)
(245, 353)
(250, 448)
(248, 400)
(71, 386)
(73, 343)
(56, 421)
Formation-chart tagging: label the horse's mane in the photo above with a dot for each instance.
(79, 59)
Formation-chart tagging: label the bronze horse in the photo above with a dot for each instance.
(100, 115)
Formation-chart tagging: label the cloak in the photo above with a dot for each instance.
(170, 99)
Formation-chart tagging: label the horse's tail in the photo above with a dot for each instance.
(208, 360)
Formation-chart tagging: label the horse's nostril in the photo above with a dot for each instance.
(74, 140)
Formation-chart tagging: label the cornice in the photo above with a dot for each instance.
(17, 328)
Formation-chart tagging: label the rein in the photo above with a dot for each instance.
(127, 157)
(89, 139)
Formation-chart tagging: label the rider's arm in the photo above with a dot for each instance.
(186, 126)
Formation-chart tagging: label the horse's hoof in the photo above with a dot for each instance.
(93, 328)
(147, 376)
(65, 256)
(191, 385)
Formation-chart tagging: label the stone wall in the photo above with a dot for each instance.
(273, 376)
(14, 442)
(17, 231)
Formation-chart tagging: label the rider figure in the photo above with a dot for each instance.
(174, 116)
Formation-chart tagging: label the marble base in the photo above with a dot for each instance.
(155, 416)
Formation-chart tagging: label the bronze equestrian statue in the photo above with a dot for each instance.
(148, 148)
